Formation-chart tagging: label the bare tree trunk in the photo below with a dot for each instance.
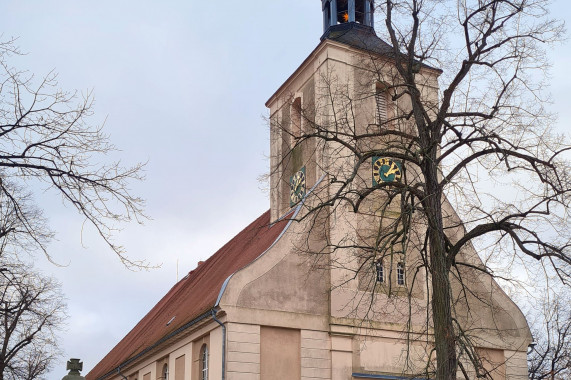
(444, 335)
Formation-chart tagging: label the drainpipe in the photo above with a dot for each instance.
(120, 374)
(223, 344)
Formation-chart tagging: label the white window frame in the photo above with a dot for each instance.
(400, 273)
(380, 271)
(204, 363)
(165, 372)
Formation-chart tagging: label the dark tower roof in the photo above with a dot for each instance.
(358, 36)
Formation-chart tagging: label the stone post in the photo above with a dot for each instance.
(74, 366)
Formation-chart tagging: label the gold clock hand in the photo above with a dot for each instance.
(393, 169)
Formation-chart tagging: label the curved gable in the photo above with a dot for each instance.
(193, 296)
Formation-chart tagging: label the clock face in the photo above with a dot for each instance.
(297, 187)
(386, 170)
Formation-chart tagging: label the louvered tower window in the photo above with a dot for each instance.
(296, 117)
(382, 103)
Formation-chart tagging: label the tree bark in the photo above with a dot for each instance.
(444, 335)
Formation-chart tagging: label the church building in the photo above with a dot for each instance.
(291, 297)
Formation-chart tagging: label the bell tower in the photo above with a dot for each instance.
(303, 105)
(343, 11)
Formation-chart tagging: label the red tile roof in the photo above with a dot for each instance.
(192, 296)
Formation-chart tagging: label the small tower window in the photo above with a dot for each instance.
(400, 273)
(381, 98)
(296, 117)
(204, 362)
(380, 271)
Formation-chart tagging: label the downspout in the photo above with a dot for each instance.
(120, 374)
(213, 311)
(223, 343)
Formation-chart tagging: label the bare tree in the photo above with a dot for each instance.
(550, 356)
(453, 154)
(32, 310)
(46, 139)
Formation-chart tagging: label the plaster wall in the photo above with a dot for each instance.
(282, 279)
(243, 360)
(516, 365)
(336, 69)
(315, 355)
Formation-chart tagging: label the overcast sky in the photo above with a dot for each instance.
(182, 85)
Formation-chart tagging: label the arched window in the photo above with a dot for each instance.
(204, 362)
(165, 372)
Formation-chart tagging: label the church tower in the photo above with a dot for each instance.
(340, 128)
(350, 62)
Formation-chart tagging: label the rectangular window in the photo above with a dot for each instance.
(296, 118)
(400, 273)
(381, 99)
(380, 272)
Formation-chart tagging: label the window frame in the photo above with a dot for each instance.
(381, 110)
(296, 117)
(204, 359)
(379, 272)
(400, 274)
(165, 372)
